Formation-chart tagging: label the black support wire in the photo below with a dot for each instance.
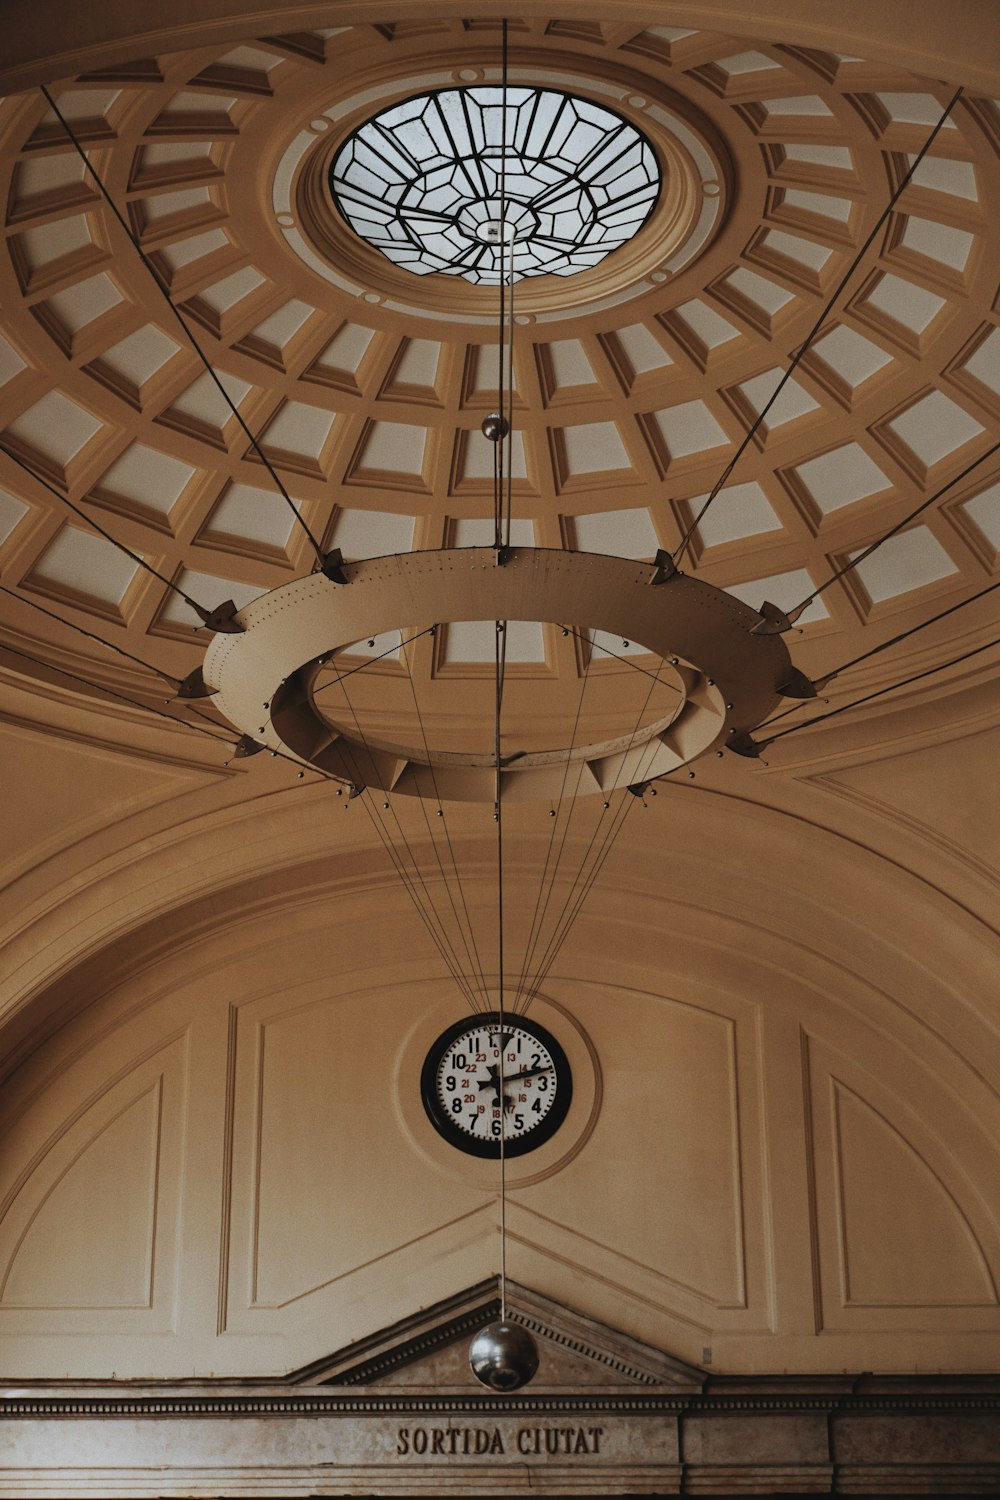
(583, 883)
(96, 687)
(429, 913)
(612, 831)
(182, 322)
(90, 636)
(542, 905)
(466, 931)
(866, 552)
(828, 308)
(96, 525)
(389, 651)
(879, 693)
(498, 449)
(904, 635)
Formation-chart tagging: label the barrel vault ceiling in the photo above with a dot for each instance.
(865, 849)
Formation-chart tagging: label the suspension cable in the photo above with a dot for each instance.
(866, 552)
(97, 687)
(880, 692)
(827, 309)
(90, 635)
(467, 932)
(185, 327)
(454, 965)
(135, 556)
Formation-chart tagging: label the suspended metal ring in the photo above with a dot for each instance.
(729, 679)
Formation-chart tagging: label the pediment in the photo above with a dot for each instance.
(429, 1351)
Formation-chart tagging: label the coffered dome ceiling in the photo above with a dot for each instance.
(367, 384)
(781, 1001)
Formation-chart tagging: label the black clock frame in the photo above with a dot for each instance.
(441, 1118)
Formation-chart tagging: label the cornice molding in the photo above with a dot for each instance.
(955, 42)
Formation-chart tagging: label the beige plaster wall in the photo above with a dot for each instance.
(782, 1149)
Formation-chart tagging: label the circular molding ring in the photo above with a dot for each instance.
(683, 223)
(729, 679)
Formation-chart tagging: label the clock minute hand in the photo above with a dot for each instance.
(528, 1073)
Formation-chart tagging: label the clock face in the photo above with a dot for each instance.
(461, 1085)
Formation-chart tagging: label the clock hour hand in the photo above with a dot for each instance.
(493, 1082)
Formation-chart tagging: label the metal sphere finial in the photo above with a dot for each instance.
(495, 426)
(503, 1356)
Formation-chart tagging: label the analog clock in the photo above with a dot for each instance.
(461, 1085)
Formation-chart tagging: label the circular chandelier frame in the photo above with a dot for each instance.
(265, 666)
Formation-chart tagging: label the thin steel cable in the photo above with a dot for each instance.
(574, 798)
(866, 552)
(89, 634)
(509, 440)
(468, 936)
(500, 648)
(567, 916)
(828, 308)
(164, 291)
(880, 692)
(538, 920)
(96, 687)
(498, 815)
(498, 453)
(904, 635)
(407, 881)
(409, 887)
(442, 941)
(546, 962)
(389, 651)
(71, 505)
(561, 929)
(624, 660)
(455, 966)
(627, 802)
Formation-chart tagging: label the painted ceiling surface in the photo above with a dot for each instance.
(366, 385)
(780, 1002)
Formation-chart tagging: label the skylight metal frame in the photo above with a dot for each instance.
(420, 182)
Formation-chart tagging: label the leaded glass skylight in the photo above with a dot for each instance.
(454, 182)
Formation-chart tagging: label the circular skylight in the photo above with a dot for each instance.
(456, 182)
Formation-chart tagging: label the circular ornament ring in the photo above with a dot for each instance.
(729, 679)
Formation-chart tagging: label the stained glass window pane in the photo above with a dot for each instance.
(454, 182)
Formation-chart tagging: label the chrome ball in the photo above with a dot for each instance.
(503, 1356)
(495, 426)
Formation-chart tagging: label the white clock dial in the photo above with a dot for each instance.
(482, 1085)
(469, 1082)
